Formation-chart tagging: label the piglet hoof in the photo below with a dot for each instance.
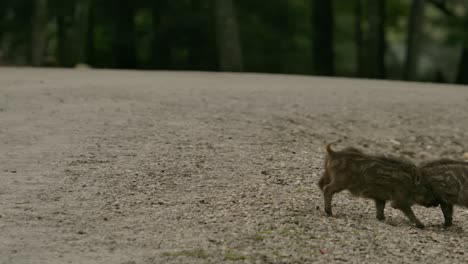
(420, 225)
(328, 212)
(447, 225)
(381, 218)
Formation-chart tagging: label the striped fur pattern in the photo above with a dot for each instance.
(380, 178)
(449, 182)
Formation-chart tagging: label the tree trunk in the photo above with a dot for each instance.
(161, 40)
(80, 34)
(38, 32)
(196, 42)
(62, 53)
(414, 39)
(5, 34)
(229, 47)
(90, 56)
(72, 33)
(124, 35)
(5, 48)
(322, 37)
(358, 38)
(376, 39)
(462, 76)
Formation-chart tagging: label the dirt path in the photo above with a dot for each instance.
(145, 167)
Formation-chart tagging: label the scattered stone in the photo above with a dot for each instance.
(424, 155)
(465, 156)
(396, 147)
(395, 142)
(408, 153)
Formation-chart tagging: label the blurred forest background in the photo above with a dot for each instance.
(424, 40)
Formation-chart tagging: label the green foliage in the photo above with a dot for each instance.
(275, 39)
(276, 36)
(195, 253)
(233, 256)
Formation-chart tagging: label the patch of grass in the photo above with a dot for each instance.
(266, 232)
(194, 253)
(287, 231)
(234, 256)
(258, 237)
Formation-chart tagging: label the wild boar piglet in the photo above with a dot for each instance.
(449, 182)
(380, 178)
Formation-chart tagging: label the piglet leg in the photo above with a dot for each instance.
(379, 207)
(447, 210)
(328, 192)
(406, 209)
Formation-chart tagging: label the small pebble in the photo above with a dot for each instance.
(465, 156)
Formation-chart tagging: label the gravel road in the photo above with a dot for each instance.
(186, 167)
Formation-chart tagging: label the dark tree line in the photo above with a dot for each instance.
(322, 37)
(295, 36)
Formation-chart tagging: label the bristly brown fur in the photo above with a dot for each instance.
(380, 178)
(329, 145)
(329, 149)
(443, 162)
(449, 182)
